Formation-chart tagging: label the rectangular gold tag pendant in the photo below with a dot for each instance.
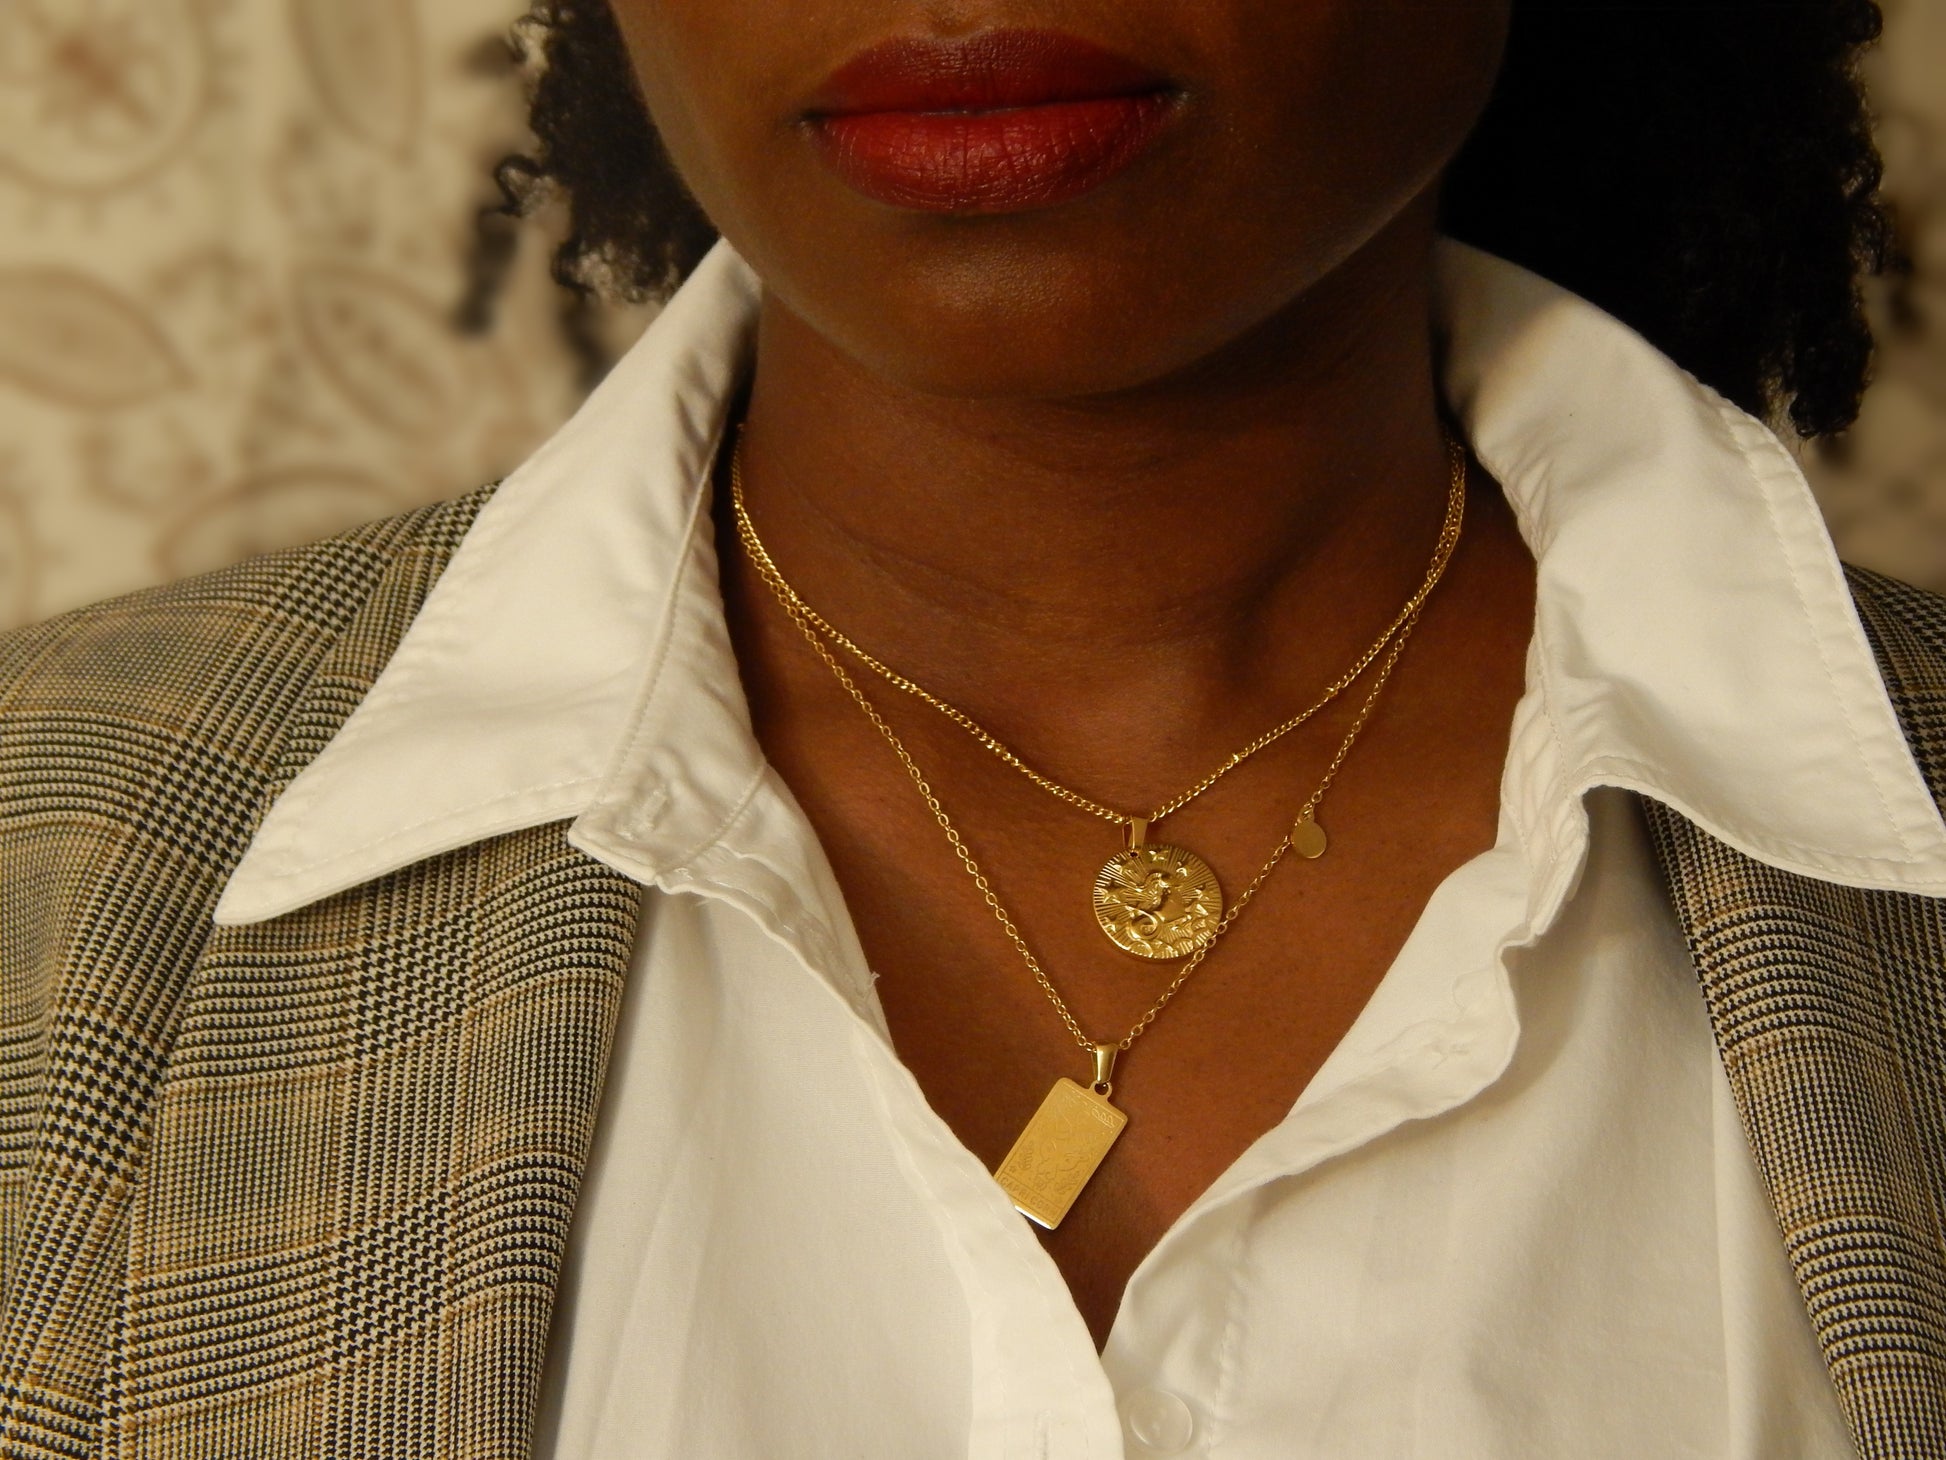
(1061, 1148)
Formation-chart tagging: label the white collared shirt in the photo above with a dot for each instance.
(1513, 1215)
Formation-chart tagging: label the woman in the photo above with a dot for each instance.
(1083, 589)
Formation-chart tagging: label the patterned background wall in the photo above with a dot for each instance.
(1883, 486)
(231, 235)
(228, 268)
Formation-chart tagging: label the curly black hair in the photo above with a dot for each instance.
(1705, 171)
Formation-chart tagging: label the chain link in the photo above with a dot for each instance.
(816, 631)
(1449, 535)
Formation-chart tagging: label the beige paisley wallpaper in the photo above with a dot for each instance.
(231, 242)
(1883, 485)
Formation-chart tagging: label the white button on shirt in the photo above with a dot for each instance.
(1157, 1421)
(1513, 1215)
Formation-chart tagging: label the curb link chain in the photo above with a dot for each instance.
(1449, 535)
(816, 631)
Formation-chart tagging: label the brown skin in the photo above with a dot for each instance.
(1129, 479)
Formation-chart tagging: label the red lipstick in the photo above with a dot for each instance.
(999, 122)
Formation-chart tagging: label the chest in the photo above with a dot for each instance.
(1219, 1064)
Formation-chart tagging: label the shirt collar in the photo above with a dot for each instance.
(1695, 640)
(580, 600)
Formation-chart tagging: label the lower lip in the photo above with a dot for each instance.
(1008, 160)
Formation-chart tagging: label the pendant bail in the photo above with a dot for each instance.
(1104, 1066)
(1137, 828)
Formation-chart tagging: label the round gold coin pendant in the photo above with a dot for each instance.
(1157, 901)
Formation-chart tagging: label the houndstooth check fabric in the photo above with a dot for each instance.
(302, 1188)
(1829, 1006)
(296, 1189)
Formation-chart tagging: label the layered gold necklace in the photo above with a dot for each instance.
(1154, 900)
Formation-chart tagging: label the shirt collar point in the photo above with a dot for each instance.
(500, 707)
(282, 872)
(1899, 846)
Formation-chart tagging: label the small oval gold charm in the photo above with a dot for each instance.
(1308, 840)
(1158, 901)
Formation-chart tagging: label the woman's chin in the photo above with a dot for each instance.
(963, 331)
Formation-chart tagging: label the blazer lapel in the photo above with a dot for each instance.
(365, 1123)
(368, 1148)
(1829, 1007)
(139, 742)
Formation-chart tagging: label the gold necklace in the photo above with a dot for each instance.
(1156, 900)
(1064, 1144)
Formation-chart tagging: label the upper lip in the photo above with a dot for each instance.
(990, 71)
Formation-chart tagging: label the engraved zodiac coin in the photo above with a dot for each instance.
(1158, 901)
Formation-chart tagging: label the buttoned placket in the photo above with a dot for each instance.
(700, 813)
(1439, 1033)
(1039, 1387)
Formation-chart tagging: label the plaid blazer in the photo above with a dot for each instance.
(302, 1189)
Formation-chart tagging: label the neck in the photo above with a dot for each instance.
(1218, 542)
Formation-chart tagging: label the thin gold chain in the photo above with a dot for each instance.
(1449, 536)
(794, 608)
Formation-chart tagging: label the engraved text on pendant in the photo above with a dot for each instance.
(1061, 1148)
(1158, 901)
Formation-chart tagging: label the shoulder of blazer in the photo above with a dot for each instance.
(1829, 1009)
(218, 1143)
(140, 742)
(215, 663)
(163, 723)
